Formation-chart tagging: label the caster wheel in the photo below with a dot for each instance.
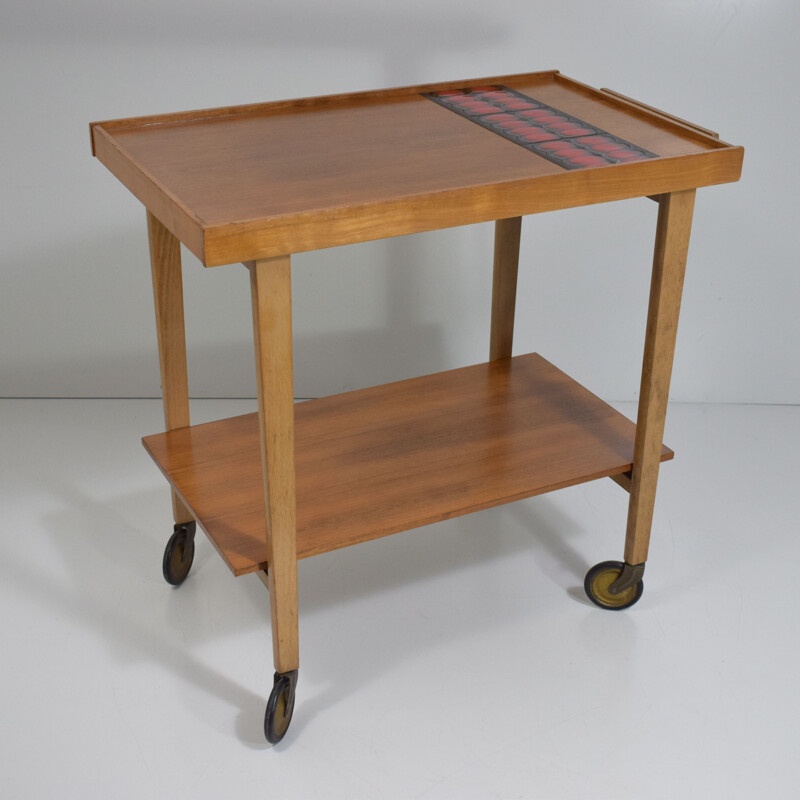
(179, 553)
(599, 580)
(280, 706)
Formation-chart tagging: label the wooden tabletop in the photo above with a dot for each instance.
(247, 182)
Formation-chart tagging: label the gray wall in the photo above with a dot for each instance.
(75, 305)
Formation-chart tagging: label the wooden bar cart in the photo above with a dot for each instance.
(255, 184)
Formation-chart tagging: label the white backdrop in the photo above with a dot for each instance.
(75, 305)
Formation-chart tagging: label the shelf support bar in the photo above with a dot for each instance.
(504, 286)
(270, 285)
(669, 265)
(623, 480)
(165, 262)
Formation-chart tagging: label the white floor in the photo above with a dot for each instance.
(457, 661)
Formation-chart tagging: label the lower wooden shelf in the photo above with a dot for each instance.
(389, 458)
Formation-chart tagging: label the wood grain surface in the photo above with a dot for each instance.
(507, 233)
(385, 459)
(167, 274)
(281, 178)
(666, 286)
(271, 294)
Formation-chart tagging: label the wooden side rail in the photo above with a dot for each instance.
(660, 113)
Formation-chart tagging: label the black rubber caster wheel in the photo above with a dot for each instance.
(599, 580)
(179, 553)
(280, 706)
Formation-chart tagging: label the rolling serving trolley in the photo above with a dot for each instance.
(256, 183)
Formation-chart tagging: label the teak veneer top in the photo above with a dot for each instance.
(248, 182)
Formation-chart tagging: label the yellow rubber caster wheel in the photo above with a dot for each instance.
(599, 582)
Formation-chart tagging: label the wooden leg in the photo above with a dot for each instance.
(669, 263)
(165, 260)
(504, 286)
(270, 284)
